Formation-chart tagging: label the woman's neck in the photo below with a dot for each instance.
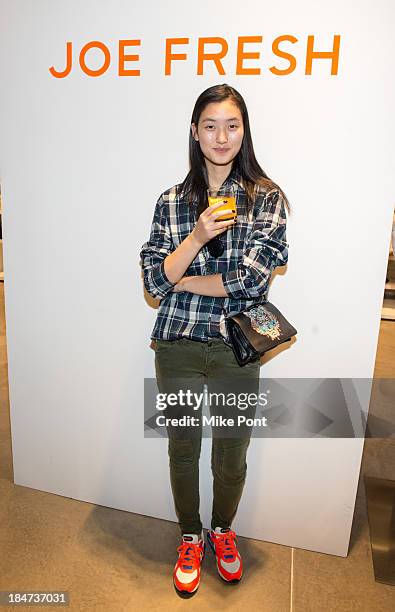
(217, 174)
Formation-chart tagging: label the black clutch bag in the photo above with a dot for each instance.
(257, 330)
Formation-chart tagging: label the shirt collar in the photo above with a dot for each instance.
(234, 177)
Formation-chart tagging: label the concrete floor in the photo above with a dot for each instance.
(112, 560)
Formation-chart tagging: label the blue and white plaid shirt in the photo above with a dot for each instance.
(253, 247)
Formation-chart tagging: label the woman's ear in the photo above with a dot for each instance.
(194, 131)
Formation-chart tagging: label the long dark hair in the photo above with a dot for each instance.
(245, 163)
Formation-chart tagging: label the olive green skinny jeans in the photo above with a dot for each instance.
(204, 362)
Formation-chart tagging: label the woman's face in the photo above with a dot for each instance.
(219, 132)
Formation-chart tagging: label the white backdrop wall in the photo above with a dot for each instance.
(83, 160)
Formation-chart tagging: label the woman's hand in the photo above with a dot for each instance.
(207, 227)
(181, 285)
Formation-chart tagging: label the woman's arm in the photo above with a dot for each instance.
(163, 266)
(205, 229)
(154, 251)
(210, 284)
(178, 262)
(266, 248)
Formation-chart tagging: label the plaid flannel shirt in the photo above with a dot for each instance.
(254, 246)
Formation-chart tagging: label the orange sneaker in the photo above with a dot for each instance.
(186, 575)
(223, 543)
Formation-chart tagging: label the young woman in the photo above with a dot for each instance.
(202, 270)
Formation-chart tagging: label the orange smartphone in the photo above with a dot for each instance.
(228, 202)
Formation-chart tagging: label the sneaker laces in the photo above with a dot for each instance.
(190, 555)
(226, 544)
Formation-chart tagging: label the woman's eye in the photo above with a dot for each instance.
(233, 125)
(209, 126)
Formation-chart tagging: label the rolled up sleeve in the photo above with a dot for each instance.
(154, 251)
(266, 248)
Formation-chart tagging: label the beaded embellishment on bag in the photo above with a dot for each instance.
(264, 322)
